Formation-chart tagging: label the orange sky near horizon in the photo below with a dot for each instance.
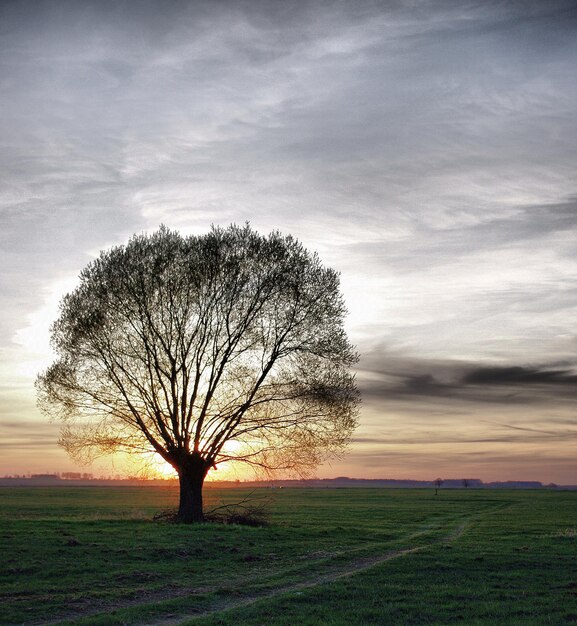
(427, 153)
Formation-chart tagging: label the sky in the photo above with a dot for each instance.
(425, 149)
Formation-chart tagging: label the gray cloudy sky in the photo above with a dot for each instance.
(426, 149)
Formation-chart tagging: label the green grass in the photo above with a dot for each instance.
(95, 556)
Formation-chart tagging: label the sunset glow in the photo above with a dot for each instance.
(427, 155)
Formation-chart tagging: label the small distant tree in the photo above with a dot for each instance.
(438, 482)
(465, 482)
(228, 346)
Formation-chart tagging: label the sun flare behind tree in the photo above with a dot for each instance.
(184, 345)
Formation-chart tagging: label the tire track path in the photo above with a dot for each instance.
(335, 572)
(350, 569)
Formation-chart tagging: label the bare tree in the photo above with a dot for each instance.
(438, 482)
(465, 482)
(204, 349)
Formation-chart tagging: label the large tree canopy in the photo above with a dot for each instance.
(183, 345)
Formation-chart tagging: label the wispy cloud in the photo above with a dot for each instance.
(426, 150)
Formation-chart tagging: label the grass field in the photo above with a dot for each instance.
(328, 557)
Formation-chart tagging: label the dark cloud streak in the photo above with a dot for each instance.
(473, 383)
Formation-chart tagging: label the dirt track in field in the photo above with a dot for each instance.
(350, 569)
(173, 618)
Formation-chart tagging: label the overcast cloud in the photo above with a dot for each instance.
(427, 150)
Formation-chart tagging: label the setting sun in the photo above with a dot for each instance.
(162, 468)
(157, 467)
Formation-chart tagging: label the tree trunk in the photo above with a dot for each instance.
(191, 476)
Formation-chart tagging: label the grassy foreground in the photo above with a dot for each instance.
(329, 557)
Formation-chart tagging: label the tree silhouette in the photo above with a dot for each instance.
(204, 349)
(437, 482)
